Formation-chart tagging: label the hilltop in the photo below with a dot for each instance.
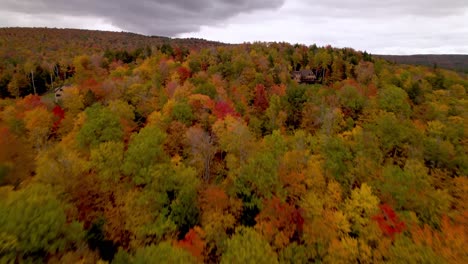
(58, 44)
(94, 39)
(456, 62)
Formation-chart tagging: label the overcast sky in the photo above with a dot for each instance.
(384, 27)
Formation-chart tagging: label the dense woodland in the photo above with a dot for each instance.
(451, 62)
(185, 151)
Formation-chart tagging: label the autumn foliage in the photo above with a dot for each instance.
(388, 221)
(189, 151)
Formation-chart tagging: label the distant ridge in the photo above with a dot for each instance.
(447, 61)
(65, 42)
(30, 37)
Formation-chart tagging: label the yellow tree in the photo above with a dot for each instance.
(39, 122)
(360, 207)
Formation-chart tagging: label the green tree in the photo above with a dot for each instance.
(257, 180)
(33, 223)
(351, 99)
(247, 246)
(337, 160)
(182, 112)
(295, 98)
(101, 125)
(162, 253)
(173, 199)
(107, 159)
(144, 151)
(394, 99)
(395, 135)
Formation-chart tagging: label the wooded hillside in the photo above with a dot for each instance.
(172, 153)
(450, 62)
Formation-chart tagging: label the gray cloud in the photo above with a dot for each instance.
(154, 17)
(381, 9)
(393, 26)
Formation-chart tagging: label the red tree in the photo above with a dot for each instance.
(388, 221)
(222, 109)
(184, 74)
(260, 101)
(193, 243)
(279, 222)
(59, 115)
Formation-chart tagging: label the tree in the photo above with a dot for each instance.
(394, 99)
(59, 115)
(404, 250)
(411, 189)
(292, 174)
(162, 253)
(447, 243)
(173, 198)
(275, 114)
(295, 253)
(223, 109)
(193, 243)
(39, 123)
(144, 151)
(184, 74)
(337, 69)
(72, 100)
(295, 99)
(255, 181)
(278, 222)
(261, 100)
(337, 160)
(84, 68)
(182, 112)
(34, 221)
(202, 150)
(394, 135)
(219, 216)
(360, 207)
(29, 67)
(101, 125)
(364, 72)
(16, 158)
(175, 142)
(234, 138)
(322, 60)
(351, 99)
(343, 251)
(247, 246)
(388, 221)
(107, 159)
(17, 84)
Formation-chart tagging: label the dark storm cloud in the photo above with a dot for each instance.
(155, 17)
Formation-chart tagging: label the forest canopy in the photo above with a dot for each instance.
(124, 149)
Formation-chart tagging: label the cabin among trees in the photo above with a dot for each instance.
(59, 92)
(305, 76)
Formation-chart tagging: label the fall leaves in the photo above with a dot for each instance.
(218, 156)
